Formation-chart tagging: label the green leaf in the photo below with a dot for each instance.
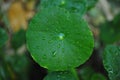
(58, 40)
(18, 39)
(111, 60)
(62, 75)
(3, 37)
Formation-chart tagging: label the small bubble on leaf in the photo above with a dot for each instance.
(54, 53)
(61, 36)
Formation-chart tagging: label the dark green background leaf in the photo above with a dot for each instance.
(3, 37)
(111, 61)
(98, 76)
(18, 39)
(110, 31)
(88, 73)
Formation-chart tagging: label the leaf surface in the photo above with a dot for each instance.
(59, 40)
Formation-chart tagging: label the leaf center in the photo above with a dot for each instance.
(61, 36)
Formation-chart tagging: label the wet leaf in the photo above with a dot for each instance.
(58, 40)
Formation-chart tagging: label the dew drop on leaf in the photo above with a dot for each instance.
(61, 36)
(54, 53)
(62, 32)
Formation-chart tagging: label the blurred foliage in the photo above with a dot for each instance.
(110, 31)
(90, 3)
(18, 16)
(14, 67)
(115, 2)
(46, 46)
(3, 37)
(98, 76)
(111, 59)
(18, 39)
(87, 73)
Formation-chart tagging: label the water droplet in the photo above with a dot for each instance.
(61, 36)
(54, 53)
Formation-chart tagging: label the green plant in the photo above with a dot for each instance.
(51, 43)
(58, 38)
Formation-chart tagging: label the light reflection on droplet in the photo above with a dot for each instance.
(61, 36)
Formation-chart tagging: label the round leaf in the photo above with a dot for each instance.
(58, 40)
